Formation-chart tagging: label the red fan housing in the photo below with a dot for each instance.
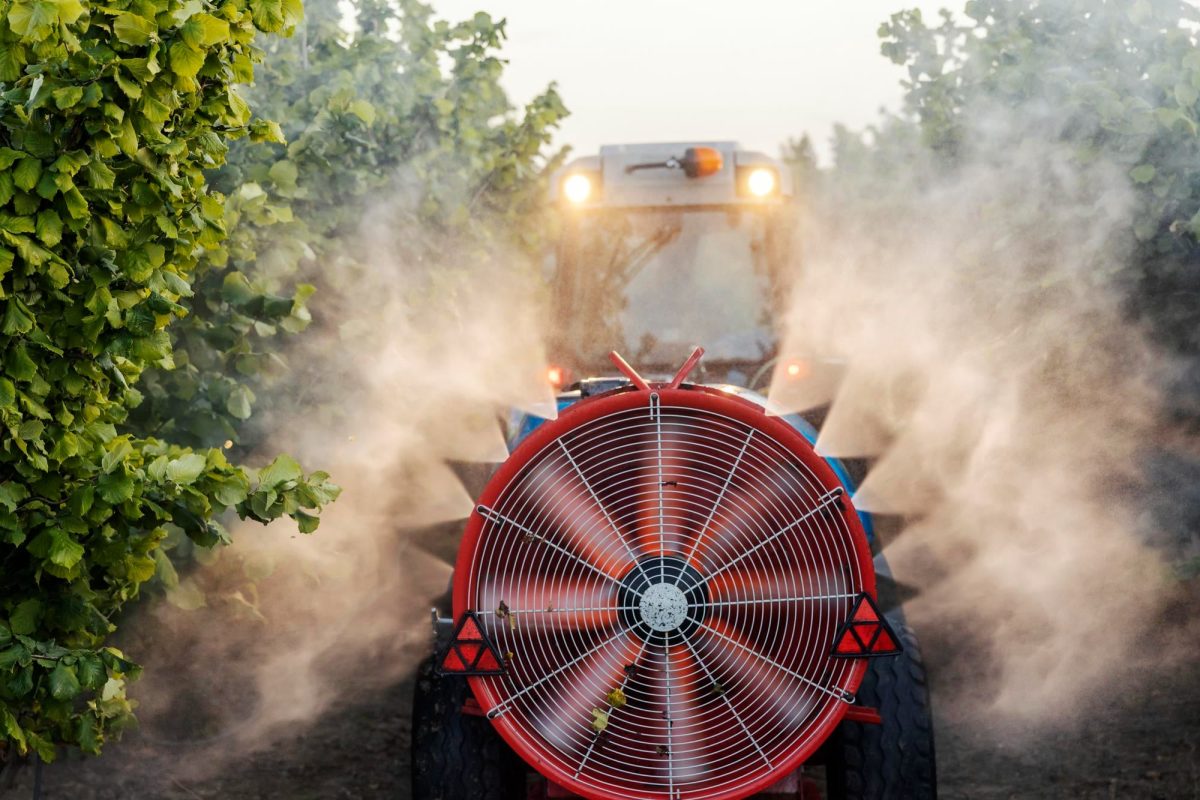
(665, 572)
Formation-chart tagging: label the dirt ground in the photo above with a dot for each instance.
(1145, 743)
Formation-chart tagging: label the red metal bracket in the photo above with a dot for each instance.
(640, 382)
(629, 372)
(687, 368)
(863, 714)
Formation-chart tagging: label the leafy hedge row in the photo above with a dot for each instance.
(403, 110)
(109, 117)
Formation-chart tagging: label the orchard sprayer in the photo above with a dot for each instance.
(666, 592)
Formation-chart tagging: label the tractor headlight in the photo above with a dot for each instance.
(577, 188)
(761, 182)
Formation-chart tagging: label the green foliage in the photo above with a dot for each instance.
(369, 116)
(1116, 82)
(109, 116)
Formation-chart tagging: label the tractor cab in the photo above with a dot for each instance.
(666, 246)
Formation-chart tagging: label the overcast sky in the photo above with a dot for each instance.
(757, 71)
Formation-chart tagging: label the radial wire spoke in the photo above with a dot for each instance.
(596, 499)
(507, 702)
(624, 682)
(845, 697)
(494, 516)
(828, 499)
(729, 703)
(773, 600)
(716, 504)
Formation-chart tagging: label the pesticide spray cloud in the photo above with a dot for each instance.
(982, 357)
(420, 351)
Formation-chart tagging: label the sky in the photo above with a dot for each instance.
(755, 71)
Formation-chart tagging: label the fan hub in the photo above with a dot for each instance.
(663, 607)
(662, 598)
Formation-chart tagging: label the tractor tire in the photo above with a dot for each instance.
(457, 756)
(894, 760)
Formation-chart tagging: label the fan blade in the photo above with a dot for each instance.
(675, 482)
(759, 689)
(564, 508)
(677, 730)
(777, 585)
(763, 498)
(562, 705)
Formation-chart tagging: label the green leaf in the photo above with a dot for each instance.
(204, 30)
(187, 596)
(49, 227)
(165, 570)
(64, 551)
(240, 402)
(363, 110)
(267, 14)
(307, 523)
(1143, 173)
(131, 88)
(33, 19)
(67, 97)
(25, 618)
(133, 29)
(64, 684)
(91, 672)
(27, 173)
(186, 469)
(232, 490)
(89, 741)
(12, 655)
(77, 206)
(284, 173)
(185, 61)
(118, 450)
(99, 175)
(12, 730)
(283, 469)
(127, 138)
(22, 683)
(236, 289)
(266, 131)
(8, 393)
(116, 487)
(140, 568)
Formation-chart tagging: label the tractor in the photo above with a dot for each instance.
(666, 592)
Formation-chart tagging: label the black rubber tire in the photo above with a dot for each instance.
(894, 760)
(457, 756)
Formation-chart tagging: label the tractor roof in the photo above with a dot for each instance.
(617, 186)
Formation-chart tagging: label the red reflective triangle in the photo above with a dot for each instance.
(865, 633)
(848, 644)
(884, 643)
(453, 662)
(471, 652)
(486, 660)
(865, 612)
(469, 632)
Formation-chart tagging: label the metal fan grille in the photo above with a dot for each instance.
(665, 573)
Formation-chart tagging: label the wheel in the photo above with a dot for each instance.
(894, 760)
(456, 756)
